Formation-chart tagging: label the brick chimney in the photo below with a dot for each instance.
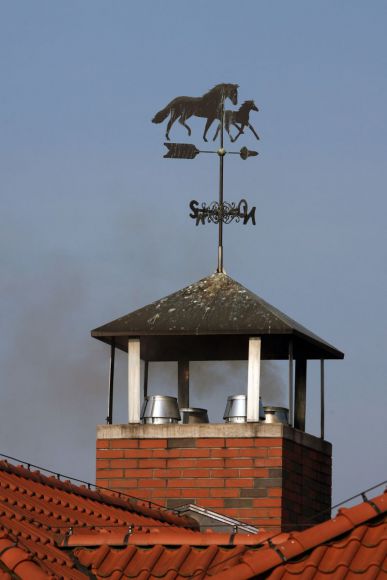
(272, 475)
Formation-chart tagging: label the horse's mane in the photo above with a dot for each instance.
(220, 86)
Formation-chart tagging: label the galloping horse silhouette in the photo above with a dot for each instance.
(242, 117)
(209, 106)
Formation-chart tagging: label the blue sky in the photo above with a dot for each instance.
(94, 222)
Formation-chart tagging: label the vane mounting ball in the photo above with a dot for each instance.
(221, 152)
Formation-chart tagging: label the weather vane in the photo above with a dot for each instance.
(211, 107)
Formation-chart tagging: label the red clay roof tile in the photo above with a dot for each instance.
(18, 560)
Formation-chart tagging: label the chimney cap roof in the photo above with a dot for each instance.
(215, 305)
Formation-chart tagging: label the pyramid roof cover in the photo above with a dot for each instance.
(215, 305)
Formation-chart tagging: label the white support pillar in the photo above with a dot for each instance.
(253, 379)
(134, 380)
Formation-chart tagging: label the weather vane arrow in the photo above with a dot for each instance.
(188, 151)
(211, 107)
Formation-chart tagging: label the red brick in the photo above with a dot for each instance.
(200, 482)
(180, 483)
(253, 452)
(210, 463)
(164, 453)
(231, 512)
(181, 463)
(274, 462)
(243, 483)
(124, 443)
(166, 473)
(153, 443)
(224, 473)
(110, 473)
(268, 442)
(192, 492)
(255, 472)
(193, 473)
(210, 482)
(102, 482)
(224, 492)
(225, 453)
(271, 512)
(123, 463)
(140, 453)
(239, 442)
(118, 483)
(139, 473)
(152, 463)
(196, 453)
(275, 451)
(152, 483)
(165, 492)
(103, 443)
(213, 442)
(239, 462)
(109, 454)
(212, 503)
(103, 463)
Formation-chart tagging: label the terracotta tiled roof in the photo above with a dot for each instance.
(353, 543)
(54, 529)
(36, 511)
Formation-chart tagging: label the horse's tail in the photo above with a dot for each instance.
(161, 115)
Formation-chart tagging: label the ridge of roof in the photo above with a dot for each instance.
(301, 543)
(166, 537)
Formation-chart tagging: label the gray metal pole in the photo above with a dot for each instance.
(221, 154)
(291, 394)
(322, 401)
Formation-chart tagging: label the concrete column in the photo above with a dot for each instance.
(134, 380)
(253, 379)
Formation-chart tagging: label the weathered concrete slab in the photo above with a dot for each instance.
(211, 430)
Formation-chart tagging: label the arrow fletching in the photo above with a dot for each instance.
(181, 151)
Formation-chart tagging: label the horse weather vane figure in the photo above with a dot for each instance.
(211, 107)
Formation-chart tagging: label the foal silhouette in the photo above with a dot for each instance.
(240, 120)
(209, 106)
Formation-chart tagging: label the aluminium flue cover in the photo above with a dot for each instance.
(215, 305)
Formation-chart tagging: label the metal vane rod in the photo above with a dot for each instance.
(221, 154)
